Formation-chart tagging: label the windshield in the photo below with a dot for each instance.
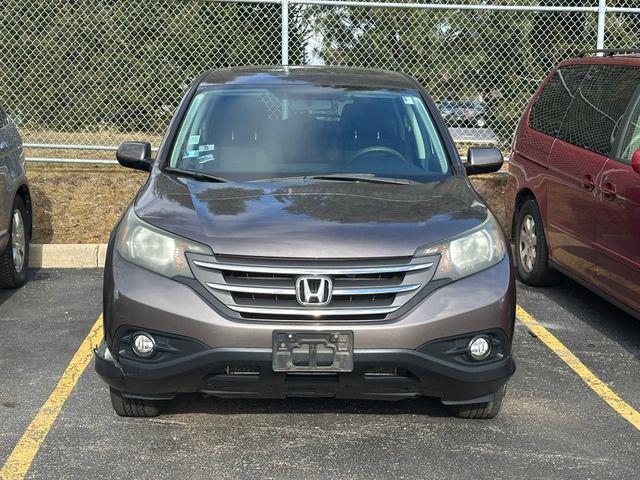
(244, 134)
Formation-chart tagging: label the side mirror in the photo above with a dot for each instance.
(635, 161)
(483, 160)
(135, 155)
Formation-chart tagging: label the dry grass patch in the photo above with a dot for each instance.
(79, 204)
(491, 187)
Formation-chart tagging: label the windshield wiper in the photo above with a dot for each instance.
(360, 177)
(197, 175)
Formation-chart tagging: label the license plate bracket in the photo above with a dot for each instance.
(312, 351)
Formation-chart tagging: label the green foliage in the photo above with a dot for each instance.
(85, 65)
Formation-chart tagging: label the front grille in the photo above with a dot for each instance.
(265, 288)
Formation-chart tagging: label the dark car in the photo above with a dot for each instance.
(307, 232)
(15, 207)
(574, 184)
(465, 113)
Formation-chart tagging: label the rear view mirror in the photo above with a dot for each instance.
(135, 155)
(635, 161)
(483, 160)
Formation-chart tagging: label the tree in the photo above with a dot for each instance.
(84, 65)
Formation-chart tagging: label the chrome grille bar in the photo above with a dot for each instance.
(319, 312)
(307, 270)
(291, 291)
(252, 289)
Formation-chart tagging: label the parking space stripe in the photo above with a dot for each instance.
(598, 386)
(27, 447)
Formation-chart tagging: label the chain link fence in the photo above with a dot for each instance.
(88, 74)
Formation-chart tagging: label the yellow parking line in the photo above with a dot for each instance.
(629, 413)
(24, 452)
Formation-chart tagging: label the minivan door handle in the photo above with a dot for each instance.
(587, 182)
(609, 191)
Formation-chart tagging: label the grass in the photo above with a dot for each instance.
(82, 203)
(79, 204)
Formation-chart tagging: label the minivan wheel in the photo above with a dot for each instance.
(532, 252)
(14, 260)
(480, 410)
(135, 407)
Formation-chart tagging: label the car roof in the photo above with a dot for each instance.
(309, 75)
(632, 60)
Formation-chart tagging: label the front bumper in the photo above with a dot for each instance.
(208, 372)
(479, 303)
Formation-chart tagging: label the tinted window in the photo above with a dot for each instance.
(552, 104)
(598, 107)
(251, 133)
(631, 139)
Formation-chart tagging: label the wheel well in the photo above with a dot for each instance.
(523, 195)
(25, 196)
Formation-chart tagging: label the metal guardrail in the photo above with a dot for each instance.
(64, 146)
(84, 161)
(464, 136)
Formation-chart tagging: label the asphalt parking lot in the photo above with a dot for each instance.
(552, 426)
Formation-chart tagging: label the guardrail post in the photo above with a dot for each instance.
(285, 32)
(602, 16)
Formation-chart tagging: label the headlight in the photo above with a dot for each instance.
(469, 253)
(157, 250)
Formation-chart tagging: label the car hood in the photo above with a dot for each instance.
(310, 218)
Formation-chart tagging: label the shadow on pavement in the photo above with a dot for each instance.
(193, 403)
(34, 275)
(595, 312)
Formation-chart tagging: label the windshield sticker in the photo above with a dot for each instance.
(194, 140)
(207, 148)
(408, 100)
(206, 159)
(191, 154)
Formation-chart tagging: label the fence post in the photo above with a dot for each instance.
(602, 15)
(285, 32)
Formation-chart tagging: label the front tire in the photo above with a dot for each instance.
(532, 251)
(135, 407)
(14, 260)
(481, 410)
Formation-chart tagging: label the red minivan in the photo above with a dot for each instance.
(573, 192)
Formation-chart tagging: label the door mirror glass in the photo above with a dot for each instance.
(135, 155)
(483, 160)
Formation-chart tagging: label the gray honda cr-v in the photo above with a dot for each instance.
(307, 232)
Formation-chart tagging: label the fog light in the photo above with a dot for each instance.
(479, 347)
(143, 345)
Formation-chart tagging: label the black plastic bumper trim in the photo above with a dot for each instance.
(430, 376)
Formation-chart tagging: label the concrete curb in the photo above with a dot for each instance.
(89, 255)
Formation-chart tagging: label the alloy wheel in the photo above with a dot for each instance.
(18, 240)
(528, 243)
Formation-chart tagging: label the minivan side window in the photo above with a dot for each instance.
(631, 140)
(552, 103)
(598, 107)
